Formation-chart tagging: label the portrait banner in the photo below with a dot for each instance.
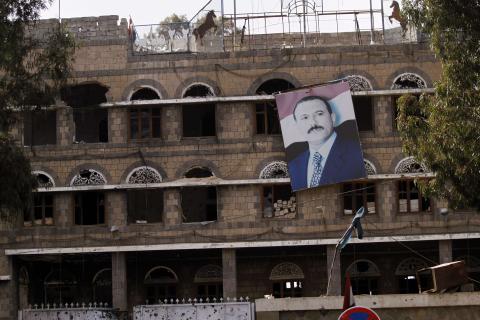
(320, 135)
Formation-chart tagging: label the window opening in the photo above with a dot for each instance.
(267, 121)
(160, 284)
(287, 280)
(40, 128)
(144, 94)
(89, 208)
(209, 282)
(363, 108)
(410, 198)
(199, 173)
(279, 201)
(145, 123)
(41, 211)
(199, 119)
(406, 275)
(145, 206)
(102, 286)
(199, 204)
(356, 195)
(364, 276)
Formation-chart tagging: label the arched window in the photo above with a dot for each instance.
(410, 198)
(88, 177)
(275, 169)
(287, 280)
(44, 180)
(144, 175)
(209, 280)
(358, 83)
(145, 93)
(410, 165)
(409, 81)
(91, 124)
(406, 274)
(364, 275)
(160, 284)
(267, 121)
(198, 119)
(199, 172)
(102, 286)
(369, 167)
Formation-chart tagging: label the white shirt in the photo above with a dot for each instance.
(324, 150)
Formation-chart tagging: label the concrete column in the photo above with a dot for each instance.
(229, 266)
(336, 281)
(65, 126)
(445, 251)
(119, 280)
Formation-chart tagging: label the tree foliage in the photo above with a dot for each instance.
(442, 130)
(32, 71)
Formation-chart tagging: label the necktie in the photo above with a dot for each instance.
(317, 170)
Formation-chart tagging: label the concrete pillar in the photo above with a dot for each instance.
(445, 251)
(336, 281)
(119, 280)
(229, 266)
(65, 126)
(8, 289)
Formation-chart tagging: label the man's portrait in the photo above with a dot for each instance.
(320, 136)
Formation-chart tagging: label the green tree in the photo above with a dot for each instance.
(173, 22)
(32, 71)
(442, 130)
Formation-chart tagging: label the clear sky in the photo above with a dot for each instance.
(153, 11)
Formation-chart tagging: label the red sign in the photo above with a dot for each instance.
(358, 313)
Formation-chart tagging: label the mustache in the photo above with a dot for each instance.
(315, 127)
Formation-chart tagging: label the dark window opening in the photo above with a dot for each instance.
(102, 287)
(210, 290)
(91, 125)
(199, 120)
(410, 198)
(40, 128)
(41, 211)
(160, 284)
(145, 206)
(145, 123)
(365, 285)
(89, 208)
(84, 95)
(408, 284)
(267, 121)
(144, 94)
(363, 107)
(198, 90)
(199, 173)
(199, 204)
(287, 288)
(356, 195)
(278, 201)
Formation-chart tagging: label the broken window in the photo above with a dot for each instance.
(41, 211)
(198, 119)
(145, 123)
(356, 195)
(410, 198)
(267, 121)
(89, 208)
(279, 201)
(40, 128)
(145, 206)
(144, 94)
(91, 122)
(363, 108)
(199, 203)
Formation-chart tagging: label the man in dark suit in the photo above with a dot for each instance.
(329, 154)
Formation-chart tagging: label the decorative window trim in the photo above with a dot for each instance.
(49, 184)
(208, 274)
(410, 165)
(275, 166)
(210, 88)
(409, 266)
(99, 179)
(144, 86)
(286, 271)
(148, 278)
(372, 271)
(144, 175)
(358, 83)
(421, 83)
(369, 167)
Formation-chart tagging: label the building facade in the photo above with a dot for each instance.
(163, 176)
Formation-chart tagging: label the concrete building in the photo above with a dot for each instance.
(158, 174)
